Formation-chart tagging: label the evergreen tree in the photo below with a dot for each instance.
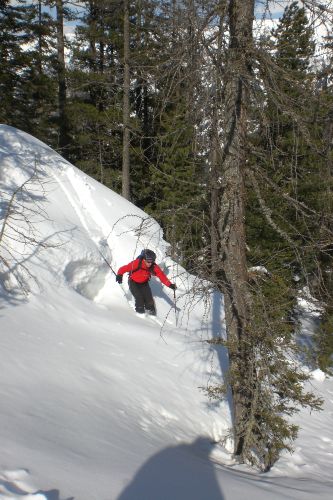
(323, 286)
(62, 85)
(126, 103)
(176, 170)
(95, 107)
(291, 205)
(12, 58)
(262, 220)
(284, 153)
(27, 78)
(176, 181)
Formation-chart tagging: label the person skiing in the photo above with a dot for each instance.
(140, 271)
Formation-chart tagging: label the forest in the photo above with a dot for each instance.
(216, 118)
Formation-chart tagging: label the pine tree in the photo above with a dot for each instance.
(262, 221)
(95, 107)
(176, 170)
(283, 151)
(126, 103)
(175, 180)
(64, 139)
(292, 211)
(27, 77)
(12, 58)
(323, 286)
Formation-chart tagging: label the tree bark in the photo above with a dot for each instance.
(40, 40)
(215, 187)
(62, 99)
(126, 108)
(231, 223)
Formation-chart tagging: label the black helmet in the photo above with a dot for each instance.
(149, 255)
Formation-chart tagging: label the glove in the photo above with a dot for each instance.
(119, 278)
(173, 286)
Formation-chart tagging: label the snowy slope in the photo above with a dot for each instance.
(96, 403)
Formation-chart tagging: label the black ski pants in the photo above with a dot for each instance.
(143, 297)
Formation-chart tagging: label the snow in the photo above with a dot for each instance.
(97, 403)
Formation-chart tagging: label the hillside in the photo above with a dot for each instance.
(96, 402)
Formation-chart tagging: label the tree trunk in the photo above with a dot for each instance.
(215, 160)
(126, 108)
(63, 125)
(231, 223)
(40, 39)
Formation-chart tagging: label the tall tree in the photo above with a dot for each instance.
(265, 375)
(126, 105)
(95, 80)
(12, 58)
(61, 70)
(232, 267)
(177, 171)
(27, 77)
(323, 349)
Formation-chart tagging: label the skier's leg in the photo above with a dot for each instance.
(136, 290)
(148, 300)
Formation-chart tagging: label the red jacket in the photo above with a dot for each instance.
(143, 274)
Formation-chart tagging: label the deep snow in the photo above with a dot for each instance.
(97, 403)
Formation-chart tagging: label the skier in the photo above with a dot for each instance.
(140, 271)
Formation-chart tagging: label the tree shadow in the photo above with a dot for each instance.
(19, 268)
(158, 291)
(182, 472)
(21, 213)
(9, 297)
(218, 333)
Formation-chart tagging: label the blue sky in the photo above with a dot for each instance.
(273, 11)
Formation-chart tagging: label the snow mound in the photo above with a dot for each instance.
(87, 278)
(15, 484)
(318, 375)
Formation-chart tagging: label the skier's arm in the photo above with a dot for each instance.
(161, 276)
(124, 269)
(127, 268)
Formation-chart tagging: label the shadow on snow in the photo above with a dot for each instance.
(182, 472)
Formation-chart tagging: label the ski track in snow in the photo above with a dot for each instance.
(83, 275)
(86, 210)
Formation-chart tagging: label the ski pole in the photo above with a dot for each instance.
(174, 300)
(106, 262)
